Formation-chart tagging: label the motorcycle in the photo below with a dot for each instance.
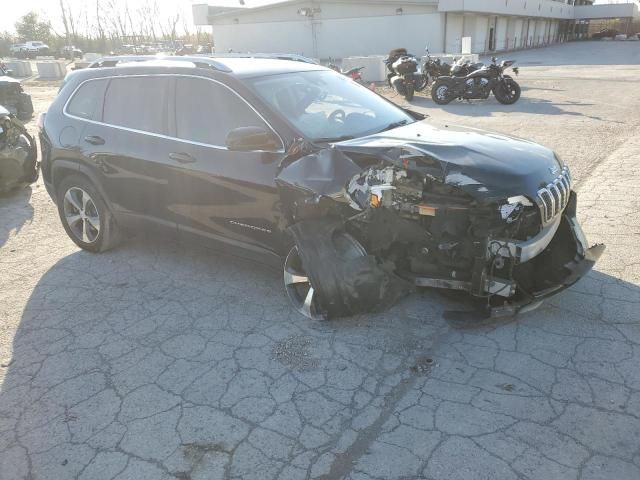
(405, 75)
(434, 68)
(479, 84)
(354, 73)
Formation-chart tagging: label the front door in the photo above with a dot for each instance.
(224, 195)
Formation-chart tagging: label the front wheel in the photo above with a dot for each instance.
(507, 91)
(409, 90)
(441, 93)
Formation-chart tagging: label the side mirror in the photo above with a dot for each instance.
(494, 59)
(247, 139)
(9, 73)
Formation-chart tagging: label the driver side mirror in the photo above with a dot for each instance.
(494, 59)
(247, 139)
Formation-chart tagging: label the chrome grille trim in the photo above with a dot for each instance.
(554, 197)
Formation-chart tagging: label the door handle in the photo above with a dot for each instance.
(181, 157)
(94, 140)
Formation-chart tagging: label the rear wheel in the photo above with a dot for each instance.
(441, 92)
(507, 92)
(85, 216)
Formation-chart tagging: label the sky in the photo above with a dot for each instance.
(12, 10)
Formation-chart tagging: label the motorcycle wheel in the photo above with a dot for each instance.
(441, 93)
(507, 92)
(409, 90)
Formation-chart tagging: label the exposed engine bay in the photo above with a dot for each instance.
(421, 220)
(18, 153)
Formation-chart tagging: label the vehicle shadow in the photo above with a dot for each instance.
(98, 327)
(12, 219)
(489, 107)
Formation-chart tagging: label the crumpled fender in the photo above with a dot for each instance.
(344, 286)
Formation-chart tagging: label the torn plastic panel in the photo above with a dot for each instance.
(345, 285)
(18, 153)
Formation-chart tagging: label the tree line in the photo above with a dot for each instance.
(104, 26)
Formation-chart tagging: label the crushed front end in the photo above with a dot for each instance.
(435, 216)
(18, 153)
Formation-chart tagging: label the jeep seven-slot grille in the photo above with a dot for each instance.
(555, 196)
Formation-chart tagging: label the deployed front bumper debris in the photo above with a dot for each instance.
(14, 98)
(437, 215)
(18, 153)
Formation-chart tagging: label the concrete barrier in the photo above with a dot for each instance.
(52, 70)
(374, 67)
(21, 68)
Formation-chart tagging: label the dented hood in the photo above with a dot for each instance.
(489, 166)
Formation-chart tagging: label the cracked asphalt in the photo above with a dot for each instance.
(163, 361)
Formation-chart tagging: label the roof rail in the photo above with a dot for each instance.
(273, 56)
(199, 61)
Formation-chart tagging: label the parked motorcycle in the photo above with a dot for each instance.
(434, 68)
(354, 73)
(405, 75)
(479, 84)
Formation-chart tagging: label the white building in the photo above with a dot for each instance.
(337, 29)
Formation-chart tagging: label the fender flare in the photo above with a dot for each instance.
(61, 164)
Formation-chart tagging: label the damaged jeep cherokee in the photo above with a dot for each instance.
(362, 201)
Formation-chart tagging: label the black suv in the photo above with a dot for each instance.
(360, 199)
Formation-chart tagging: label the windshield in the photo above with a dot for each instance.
(326, 106)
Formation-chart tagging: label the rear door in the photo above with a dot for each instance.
(230, 196)
(130, 148)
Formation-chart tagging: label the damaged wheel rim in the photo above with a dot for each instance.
(298, 285)
(81, 215)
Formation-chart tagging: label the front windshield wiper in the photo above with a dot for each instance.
(333, 139)
(393, 125)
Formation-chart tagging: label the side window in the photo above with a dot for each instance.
(207, 111)
(87, 100)
(138, 103)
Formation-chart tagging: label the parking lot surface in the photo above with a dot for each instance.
(162, 361)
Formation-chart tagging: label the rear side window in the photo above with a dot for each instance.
(87, 100)
(138, 103)
(207, 111)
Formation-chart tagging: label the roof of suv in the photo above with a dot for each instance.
(235, 67)
(240, 66)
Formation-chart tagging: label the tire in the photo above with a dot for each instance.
(507, 92)
(25, 107)
(297, 282)
(87, 221)
(409, 91)
(441, 92)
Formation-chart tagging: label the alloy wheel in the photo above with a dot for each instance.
(81, 215)
(442, 92)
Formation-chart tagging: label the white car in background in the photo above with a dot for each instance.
(30, 49)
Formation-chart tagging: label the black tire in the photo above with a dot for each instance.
(95, 240)
(25, 107)
(441, 92)
(507, 92)
(409, 91)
